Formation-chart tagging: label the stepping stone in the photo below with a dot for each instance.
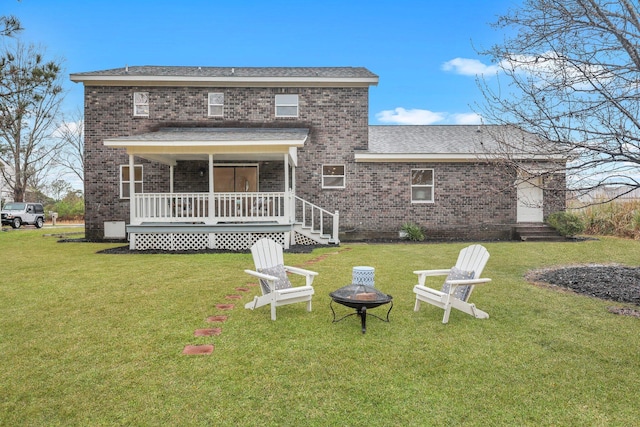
(252, 284)
(219, 319)
(242, 289)
(233, 297)
(207, 332)
(225, 306)
(203, 349)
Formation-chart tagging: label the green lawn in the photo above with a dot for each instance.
(95, 339)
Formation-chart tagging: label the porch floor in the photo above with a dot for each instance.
(199, 227)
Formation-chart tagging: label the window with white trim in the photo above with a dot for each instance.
(216, 104)
(141, 104)
(333, 176)
(422, 185)
(124, 180)
(286, 105)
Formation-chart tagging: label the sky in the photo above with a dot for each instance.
(424, 52)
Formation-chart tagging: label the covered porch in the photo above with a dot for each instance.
(232, 211)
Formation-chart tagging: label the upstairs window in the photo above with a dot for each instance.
(216, 104)
(124, 180)
(333, 176)
(286, 105)
(421, 185)
(141, 104)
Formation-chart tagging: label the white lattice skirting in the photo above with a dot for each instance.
(200, 241)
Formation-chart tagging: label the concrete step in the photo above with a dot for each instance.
(536, 233)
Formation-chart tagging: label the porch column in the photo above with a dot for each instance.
(132, 189)
(286, 173)
(211, 215)
(289, 201)
(171, 173)
(293, 178)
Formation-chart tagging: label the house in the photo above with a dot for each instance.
(6, 176)
(210, 157)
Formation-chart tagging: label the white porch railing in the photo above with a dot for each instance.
(170, 207)
(279, 207)
(200, 207)
(248, 207)
(316, 219)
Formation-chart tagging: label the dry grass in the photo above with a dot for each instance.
(617, 218)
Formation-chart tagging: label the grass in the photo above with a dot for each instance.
(95, 339)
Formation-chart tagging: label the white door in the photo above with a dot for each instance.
(530, 200)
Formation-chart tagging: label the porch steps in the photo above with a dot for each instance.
(312, 234)
(536, 232)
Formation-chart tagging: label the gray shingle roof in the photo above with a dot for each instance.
(435, 139)
(241, 72)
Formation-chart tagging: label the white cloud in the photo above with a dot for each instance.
(65, 128)
(402, 116)
(467, 119)
(469, 67)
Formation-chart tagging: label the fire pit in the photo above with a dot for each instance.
(360, 297)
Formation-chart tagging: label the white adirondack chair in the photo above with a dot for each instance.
(458, 285)
(274, 283)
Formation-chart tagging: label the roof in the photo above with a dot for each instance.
(358, 76)
(168, 145)
(209, 136)
(439, 142)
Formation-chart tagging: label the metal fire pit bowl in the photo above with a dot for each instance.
(360, 297)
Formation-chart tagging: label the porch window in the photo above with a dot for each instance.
(124, 180)
(422, 185)
(333, 176)
(216, 104)
(286, 105)
(141, 104)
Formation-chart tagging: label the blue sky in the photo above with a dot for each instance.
(423, 51)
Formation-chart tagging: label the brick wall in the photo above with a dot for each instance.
(336, 118)
(471, 200)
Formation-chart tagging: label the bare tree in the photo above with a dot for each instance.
(30, 98)
(9, 25)
(71, 134)
(573, 74)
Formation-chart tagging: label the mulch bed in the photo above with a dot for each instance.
(299, 249)
(609, 282)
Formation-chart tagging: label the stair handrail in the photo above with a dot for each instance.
(335, 217)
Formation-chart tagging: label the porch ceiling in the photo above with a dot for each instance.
(169, 145)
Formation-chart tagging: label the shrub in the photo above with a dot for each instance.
(567, 224)
(414, 231)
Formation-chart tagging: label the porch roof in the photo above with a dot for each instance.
(167, 145)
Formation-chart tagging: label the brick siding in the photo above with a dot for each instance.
(472, 200)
